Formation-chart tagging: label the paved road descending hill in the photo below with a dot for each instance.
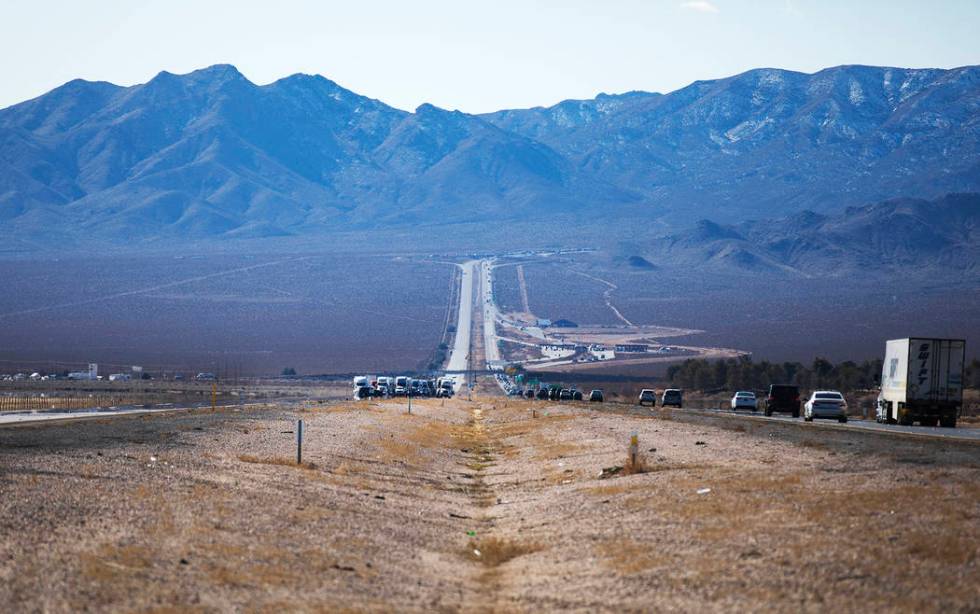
(460, 355)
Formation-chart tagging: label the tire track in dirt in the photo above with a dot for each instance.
(607, 295)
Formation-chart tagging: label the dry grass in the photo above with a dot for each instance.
(495, 551)
(88, 471)
(398, 450)
(554, 451)
(110, 562)
(611, 489)
(945, 548)
(517, 422)
(778, 529)
(631, 466)
(658, 467)
(634, 466)
(269, 566)
(275, 460)
(628, 557)
(350, 476)
(813, 444)
(417, 440)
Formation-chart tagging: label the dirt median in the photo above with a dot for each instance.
(490, 505)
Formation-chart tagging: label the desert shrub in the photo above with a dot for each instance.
(744, 373)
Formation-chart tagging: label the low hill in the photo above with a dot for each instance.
(911, 234)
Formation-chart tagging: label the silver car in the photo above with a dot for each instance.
(825, 404)
(744, 400)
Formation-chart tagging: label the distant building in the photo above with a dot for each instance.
(632, 348)
(543, 322)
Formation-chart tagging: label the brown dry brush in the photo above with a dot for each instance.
(495, 551)
(639, 466)
(629, 467)
(274, 460)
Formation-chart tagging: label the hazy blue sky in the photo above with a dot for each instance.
(473, 56)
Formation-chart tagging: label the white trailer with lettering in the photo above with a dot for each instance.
(922, 381)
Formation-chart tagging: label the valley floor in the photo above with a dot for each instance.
(489, 505)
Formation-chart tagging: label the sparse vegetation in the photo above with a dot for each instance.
(275, 460)
(505, 506)
(628, 557)
(744, 374)
(635, 466)
(495, 551)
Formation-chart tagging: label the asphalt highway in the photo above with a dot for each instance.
(960, 432)
(459, 356)
(23, 418)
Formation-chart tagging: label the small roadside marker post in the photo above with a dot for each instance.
(299, 442)
(634, 447)
(214, 396)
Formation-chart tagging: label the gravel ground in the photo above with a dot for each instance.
(479, 506)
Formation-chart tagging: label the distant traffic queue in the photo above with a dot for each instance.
(366, 386)
(921, 382)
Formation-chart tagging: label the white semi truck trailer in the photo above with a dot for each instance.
(922, 381)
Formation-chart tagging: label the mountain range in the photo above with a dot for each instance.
(896, 236)
(210, 154)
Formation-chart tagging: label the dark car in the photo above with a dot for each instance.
(672, 396)
(784, 399)
(529, 394)
(648, 395)
(596, 396)
(576, 395)
(553, 394)
(565, 395)
(363, 392)
(543, 394)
